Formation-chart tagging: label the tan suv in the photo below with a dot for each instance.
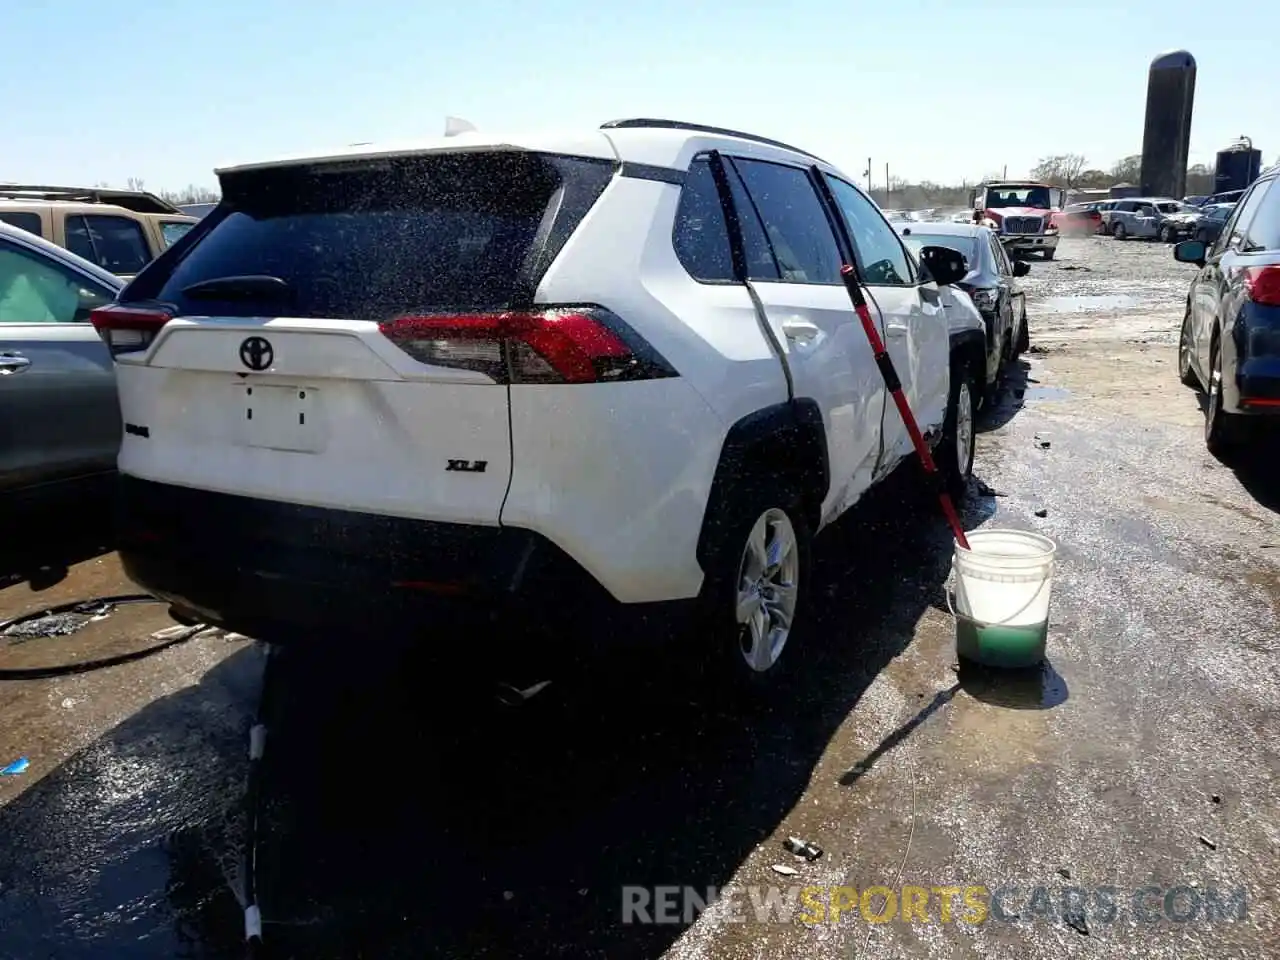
(119, 230)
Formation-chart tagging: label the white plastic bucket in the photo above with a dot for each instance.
(1002, 585)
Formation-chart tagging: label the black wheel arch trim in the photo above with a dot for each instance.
(794, 428)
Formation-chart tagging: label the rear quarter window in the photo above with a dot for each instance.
(374, 240)
(23, 220)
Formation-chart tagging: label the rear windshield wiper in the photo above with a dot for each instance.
(239, 288)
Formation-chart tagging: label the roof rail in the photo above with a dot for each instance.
(139, 201)
(650, 124)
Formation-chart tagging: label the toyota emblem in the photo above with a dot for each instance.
(256, 354)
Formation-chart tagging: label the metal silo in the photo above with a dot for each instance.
(1166, 140)
(1237, 166)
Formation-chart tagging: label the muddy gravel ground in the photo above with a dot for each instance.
(1120, 802)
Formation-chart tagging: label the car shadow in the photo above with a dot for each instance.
(39, 546)
(407, 811)
(1258, 475)
(1009, 400)
(1255, 467)
(128, 848)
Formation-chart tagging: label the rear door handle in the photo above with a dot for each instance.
(896, 329)
(799, 329)
(12, 363)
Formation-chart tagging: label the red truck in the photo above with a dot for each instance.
(1021, 212)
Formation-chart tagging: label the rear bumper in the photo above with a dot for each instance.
(281, 572)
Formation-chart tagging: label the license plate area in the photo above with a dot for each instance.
(279, 417)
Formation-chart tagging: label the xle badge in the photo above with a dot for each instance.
(467, 466)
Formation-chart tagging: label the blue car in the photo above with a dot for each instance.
(1230, 342)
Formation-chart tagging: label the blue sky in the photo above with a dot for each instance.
(939, 90)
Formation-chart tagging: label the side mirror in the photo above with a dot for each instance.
(1190, 251)
(945, 266)
(1021, 268)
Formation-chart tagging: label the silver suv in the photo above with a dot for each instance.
(1143, 217)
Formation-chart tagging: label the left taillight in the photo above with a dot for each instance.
(1262, 285)
(128, 329)
(548, 345)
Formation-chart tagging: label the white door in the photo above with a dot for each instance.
(915, 324)
(794, 262)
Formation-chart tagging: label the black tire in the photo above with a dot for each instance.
(1049, 252)
(957, 467)
(1186, 373)
(1023, 343)
(718, 622)
(1223, 432)
(1118, 231)
(1166, 235)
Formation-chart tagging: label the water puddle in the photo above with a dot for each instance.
(1087, 303)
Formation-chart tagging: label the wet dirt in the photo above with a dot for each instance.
(408, 813)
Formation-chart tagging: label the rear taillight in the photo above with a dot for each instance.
(551, 345)
(1262, 285)
(128, 329)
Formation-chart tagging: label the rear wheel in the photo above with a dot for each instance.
(1223, 432)
(754, 593)
(954, 453)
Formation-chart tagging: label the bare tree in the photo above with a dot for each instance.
(193, 193)
(135, 183)
(1128, 170)
(1062, 169)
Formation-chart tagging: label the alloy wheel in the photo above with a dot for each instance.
(768, 589)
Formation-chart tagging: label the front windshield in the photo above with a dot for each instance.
(1037, 197)
(965, 246)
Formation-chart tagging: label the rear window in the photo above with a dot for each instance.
(29, 222)
(965, 246)
(371, 240)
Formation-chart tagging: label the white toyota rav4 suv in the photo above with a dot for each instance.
(619, 366)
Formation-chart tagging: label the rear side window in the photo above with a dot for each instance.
(1264, 232)
(373, 240)
(174, 230)
(700, 236)
(1244, 214)
(116, 244)
(794, 221)
(29, 222)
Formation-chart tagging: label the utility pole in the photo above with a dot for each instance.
(1005, 175)
(887, 183)
(868, 174)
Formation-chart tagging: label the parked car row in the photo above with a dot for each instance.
(622, 367)
(1229, 346)
(1149, 218)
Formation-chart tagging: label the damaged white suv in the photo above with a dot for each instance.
(618, 367)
